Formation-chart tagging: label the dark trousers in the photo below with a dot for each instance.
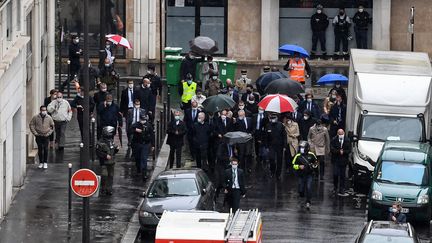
(51, 137)
(60, 129)
(321, 36)
(305, 187)
(234, 196)
(186, 106)
(275, 158)
(211, 153)
(321, 159)
(107, 178)
(219, 175)
(341, 37)
(288, 158)
(42, 143)
(339, 171)
(201, 157)
(141, 153)
(177, 151)
(189, 137)
(361, 39)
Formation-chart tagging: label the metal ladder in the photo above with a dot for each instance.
(240, 225)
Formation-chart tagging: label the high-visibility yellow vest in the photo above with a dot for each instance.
(297, 72)
(188, 91)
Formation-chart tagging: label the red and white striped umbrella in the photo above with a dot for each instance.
(278, 103)
(119, 40)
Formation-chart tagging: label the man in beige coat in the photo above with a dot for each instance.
(42, 126)
(319, 141)
(61, 113)
(293, 133)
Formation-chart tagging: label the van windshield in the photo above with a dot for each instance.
(391, 128)
(404, 173)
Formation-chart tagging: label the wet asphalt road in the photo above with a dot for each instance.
(330, 219)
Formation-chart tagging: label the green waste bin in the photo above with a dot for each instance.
(172, 51)
(172, 65)
(227, 70)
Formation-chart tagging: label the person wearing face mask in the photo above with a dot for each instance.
(319, 23)
(146, 97)
(327, 105)
(361, 20)
(305, 124)
(142, 143)
(47, 101)
(340, 147)
(201, 133)
(292, 133)
(176, 131)
(235, 188)
(108, 75)
(337, 115)
(275, 142)
(75, 53)
(190, 117)
(109, 115)
(250, 91)
(155, 81)
(241, 106)
(132, 116)
(187, 89)
(244, 124)
(319, 141)
(223, 125)
(42, 126)
(310, 105)
(128, 95)
(259, 122)
(100, 96)
(341, 23)
(242, 82)
(298, 68)
(208, 68)
(61, 113)
(251, 104)
(339, 90)
(107, 54)
(214, 85)
(106, 150)
(303, 163)
(199, 97)
(77, 106)
(396, 214)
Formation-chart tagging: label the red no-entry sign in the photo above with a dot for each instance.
(84, 183)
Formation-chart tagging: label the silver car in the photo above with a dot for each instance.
(173, 190)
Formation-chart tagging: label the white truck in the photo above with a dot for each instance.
(389, 98)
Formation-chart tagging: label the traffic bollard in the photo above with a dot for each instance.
(160, 134)
(169, 103)
(92, 139)
(81, 150)
(68, 78)
(162, 125)
(165, 112)
(70, 196)
(157, 136)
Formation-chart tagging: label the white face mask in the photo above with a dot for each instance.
(333, 96)
(244, 76)
(223, 117)
(200, 120)
(337, 85)
(177, 118)
(234, 166)
(319, 11)
(43, 113)
(309, 100)
(289, 121)
(361, 10)
(59, 99)
(107, 46)
(241, 107)
(107, 65)
(214, 77)
(76, 41)
(394, 210)
(341, 136)
(103, 90)
(306, 117)
(130, 86)
(251, 101)
(109, 102)
(260, 112)
(274, 120)
(302, 150)
(241, 118)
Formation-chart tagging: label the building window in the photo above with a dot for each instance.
(294, 17)
(187, 19)
(18, 15)
(114, 22)
(9, 19)
(29, 33)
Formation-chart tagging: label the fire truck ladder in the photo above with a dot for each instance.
(240, 225)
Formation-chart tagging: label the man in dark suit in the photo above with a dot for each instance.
(340, 148)
(145, 95)
(132, 116)
(305, 124)
(127, 98)
(244, 124)
(190, 117)
(224, 124)
(176, 131)
(337, 116)
(297, 116)
(259, 122)
(234, 185)
(275, 141)
(201, 134)
(310, 105)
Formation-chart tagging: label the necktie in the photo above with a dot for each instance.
(258, 122)
(193, 114)
(136, 115)
(341, 142)
(224, 121)
(229, 150)
(245, 121)
(234, 178)
(309, 106)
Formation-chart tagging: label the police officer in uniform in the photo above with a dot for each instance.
(142, 143)
(304, 163)
(106, 150)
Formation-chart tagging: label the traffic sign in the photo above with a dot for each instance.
(84, 183)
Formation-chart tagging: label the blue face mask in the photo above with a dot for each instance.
(189, 81)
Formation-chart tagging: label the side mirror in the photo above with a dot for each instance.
(143, 194)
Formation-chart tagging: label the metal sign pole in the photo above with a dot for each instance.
(411, 27)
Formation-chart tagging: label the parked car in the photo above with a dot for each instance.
(402, 174)
(176, 189)
(386, 231)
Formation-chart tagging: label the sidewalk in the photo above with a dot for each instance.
(39, 211)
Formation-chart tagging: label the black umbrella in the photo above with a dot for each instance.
(266, 78)
(284, 86)
(218, 102)
(203, 45)
(237, 137)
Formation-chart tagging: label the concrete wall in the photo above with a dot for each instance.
(400, 37)
(244, 29)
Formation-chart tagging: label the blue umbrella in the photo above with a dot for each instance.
(290, 49)
(266, 78)
(331, 78)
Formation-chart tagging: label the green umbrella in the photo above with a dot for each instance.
(218, 102)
